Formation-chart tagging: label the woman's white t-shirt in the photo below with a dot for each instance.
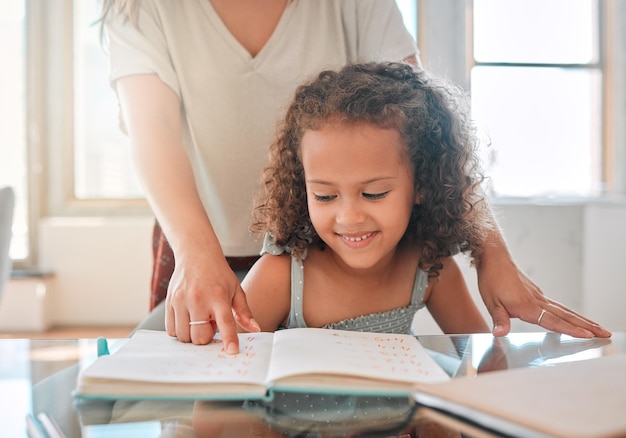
(230, 101)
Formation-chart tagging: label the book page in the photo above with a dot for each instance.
(153, 356)
(380, 356)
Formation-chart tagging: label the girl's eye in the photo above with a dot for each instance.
(374, 196)
(322, 198)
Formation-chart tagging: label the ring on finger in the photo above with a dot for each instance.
(543, 312)
(199, 322)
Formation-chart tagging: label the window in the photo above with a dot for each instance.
(536, 90)
(101, 155)
(408, 9)
(60, 145)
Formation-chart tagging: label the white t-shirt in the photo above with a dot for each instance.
(231, 102)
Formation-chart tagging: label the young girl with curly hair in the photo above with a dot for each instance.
(373, 184)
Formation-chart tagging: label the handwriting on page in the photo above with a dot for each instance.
(189, 362)
(388, 353)
(221, 364)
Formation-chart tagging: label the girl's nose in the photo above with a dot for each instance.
(349, 213)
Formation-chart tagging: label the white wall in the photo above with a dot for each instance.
(604, 270)
(102, 266)
(100, 275)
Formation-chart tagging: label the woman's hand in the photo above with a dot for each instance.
(509, 293)
(204, 290)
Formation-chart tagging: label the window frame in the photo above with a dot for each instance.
(450, 53)
(61, 198)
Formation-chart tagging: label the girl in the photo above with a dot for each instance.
(372, 185)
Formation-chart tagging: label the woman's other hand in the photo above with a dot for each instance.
(509, 293)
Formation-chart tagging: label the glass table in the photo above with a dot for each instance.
(38, 376)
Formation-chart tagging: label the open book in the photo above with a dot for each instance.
(154, 365)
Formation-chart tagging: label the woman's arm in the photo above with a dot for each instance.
(203, 287)
(449, 302)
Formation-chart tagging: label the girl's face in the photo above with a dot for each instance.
(360, 191)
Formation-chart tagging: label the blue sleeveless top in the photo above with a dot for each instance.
(397, 320)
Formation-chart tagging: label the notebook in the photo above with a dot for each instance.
(154, 365)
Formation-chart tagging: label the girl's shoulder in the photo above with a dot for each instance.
(269, 267)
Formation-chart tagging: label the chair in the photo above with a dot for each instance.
(7, 205)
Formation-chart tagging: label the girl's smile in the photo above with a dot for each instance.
(357, 241)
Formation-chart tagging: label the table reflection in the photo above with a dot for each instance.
(467, 355)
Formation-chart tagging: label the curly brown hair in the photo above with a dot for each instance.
(433, 120)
